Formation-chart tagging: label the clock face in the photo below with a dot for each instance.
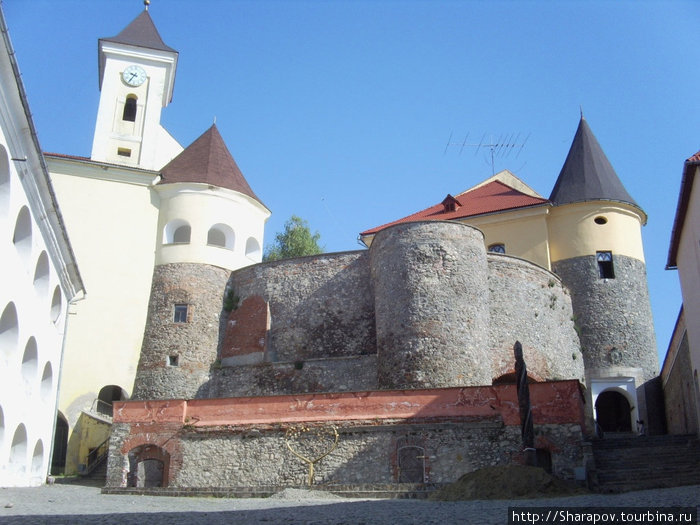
(134, 76)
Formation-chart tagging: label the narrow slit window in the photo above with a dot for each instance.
(129, 109)
(606, 269)
(180, 315)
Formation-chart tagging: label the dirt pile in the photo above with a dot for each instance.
(506, 482)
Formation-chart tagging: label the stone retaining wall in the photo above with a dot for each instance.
(243, 441)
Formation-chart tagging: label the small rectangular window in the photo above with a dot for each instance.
(124, 152)
(173, 360)
(606, 270)
(180, 313)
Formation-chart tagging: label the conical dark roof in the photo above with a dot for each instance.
(141, 32)
(208, 161)
(587, 174)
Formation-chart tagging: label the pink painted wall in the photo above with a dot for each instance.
(553, 402)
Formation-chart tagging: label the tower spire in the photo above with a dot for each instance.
(587, 174)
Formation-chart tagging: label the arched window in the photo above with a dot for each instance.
(182, 234)
(252, 249)
(177, 231)
(130, 109)
(498, 247)
(220, 235)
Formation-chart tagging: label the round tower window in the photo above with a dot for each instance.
(600, 220)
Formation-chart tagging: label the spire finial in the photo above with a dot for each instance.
(580, 107)
(146, 3)
(214, 119)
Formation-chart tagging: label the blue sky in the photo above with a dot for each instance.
(340, 111)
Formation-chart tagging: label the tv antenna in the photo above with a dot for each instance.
(500, 147)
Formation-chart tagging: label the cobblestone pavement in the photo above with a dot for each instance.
(81, 505)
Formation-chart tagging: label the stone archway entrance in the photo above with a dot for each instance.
(613, 412)
(149, 466)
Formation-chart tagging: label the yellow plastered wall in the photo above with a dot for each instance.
(523, 232)
(574, 232)
(92, 433)
(113, 225)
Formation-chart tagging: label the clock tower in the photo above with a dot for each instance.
(137, 75)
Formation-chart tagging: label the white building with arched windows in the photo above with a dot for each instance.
(38, 282)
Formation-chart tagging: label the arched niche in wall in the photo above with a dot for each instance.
(56, 304)
(47, 382)
(252, 248)
(177, 231)
(2, 428)
(37, 458)
(4, 182)
(18, 449)
(22, 236)
(9, 331)
(42, 275)
(30, 364)
(221, 235)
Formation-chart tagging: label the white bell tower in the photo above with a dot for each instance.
(137, 75)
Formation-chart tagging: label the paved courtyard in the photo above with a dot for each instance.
(82, 505)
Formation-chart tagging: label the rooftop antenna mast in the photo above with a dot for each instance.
(500, 147)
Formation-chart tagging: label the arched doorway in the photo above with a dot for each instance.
(613, 412)
(107, 396)
(60, 445)
(411, 461)
(149, 466)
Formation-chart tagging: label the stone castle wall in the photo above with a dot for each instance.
(613, 315)
(424, 307)
(431, 305)
(176, 358)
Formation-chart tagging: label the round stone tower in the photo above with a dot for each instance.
(431, 305)
(596, 248)
(210, 223)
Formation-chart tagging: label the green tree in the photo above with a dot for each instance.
(296, 240)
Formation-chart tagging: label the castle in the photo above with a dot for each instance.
(392, 364)
(402, 352)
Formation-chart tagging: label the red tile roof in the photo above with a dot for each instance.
(687, 181)
(207, 160)
(489, 198)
